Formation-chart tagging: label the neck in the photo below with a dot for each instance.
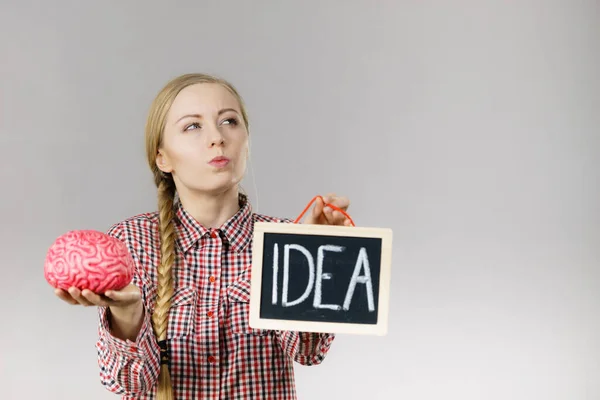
(211, 210)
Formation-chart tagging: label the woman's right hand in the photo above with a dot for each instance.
(128, 297)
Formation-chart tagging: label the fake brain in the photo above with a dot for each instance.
(88, 259)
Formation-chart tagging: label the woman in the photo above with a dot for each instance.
(180, 329)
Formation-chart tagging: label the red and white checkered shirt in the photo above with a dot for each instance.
(214, 354)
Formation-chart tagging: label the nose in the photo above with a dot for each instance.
(215, 137)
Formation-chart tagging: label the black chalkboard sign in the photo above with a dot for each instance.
(317, 278)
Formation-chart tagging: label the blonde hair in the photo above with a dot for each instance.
(155, 126)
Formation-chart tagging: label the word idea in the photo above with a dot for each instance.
(318, 278)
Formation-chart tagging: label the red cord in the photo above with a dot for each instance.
(325, 205)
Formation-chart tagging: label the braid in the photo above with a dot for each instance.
(154, 135)
(160, 318)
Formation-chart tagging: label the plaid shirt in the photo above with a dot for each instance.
(214, 353)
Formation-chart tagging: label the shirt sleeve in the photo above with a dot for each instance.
(305, 348)
(127, 367)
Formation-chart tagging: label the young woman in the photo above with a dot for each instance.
(180, 330)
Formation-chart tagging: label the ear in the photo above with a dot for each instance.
(162, 162)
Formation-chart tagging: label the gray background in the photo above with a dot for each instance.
(471, 128)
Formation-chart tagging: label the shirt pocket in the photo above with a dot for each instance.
(182, 313)
(238, 314)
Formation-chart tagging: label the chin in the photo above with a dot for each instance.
(217, 189)
(213, 183)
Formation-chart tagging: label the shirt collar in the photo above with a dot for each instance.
(236, 232)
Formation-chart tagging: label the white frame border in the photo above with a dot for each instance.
(380, 329)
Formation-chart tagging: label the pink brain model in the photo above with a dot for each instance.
(88, 259)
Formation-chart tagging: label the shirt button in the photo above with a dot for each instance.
(212, 279)
(133, 349)
(212, 359)
(210, 314)
(213, 234)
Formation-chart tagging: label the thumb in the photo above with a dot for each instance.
(126, 296)
(318, 208)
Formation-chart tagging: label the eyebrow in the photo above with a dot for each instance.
(223, 111)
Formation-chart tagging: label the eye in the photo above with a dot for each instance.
(194, 125)
(231, 121)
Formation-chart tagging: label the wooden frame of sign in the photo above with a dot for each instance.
(338, 278)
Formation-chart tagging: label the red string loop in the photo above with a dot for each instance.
(325, 205)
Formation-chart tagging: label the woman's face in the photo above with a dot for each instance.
(205, 141)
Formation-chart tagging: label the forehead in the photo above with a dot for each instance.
(202, 98)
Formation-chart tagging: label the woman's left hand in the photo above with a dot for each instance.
(324, 215)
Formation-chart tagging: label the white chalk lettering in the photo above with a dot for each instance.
(361, 261)
(324, 276)
(286, 274)
(275, 273)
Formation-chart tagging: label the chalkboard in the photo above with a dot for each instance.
(318, 278)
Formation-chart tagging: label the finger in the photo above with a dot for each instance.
(76, 294)
(329, 216)
(318, 208)
(329, 197)
(341, 202)
(315, 215)
(63, 295)
(328, 213)
(347, 222)
(337, 218)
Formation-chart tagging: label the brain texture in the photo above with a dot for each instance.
(88, 259)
